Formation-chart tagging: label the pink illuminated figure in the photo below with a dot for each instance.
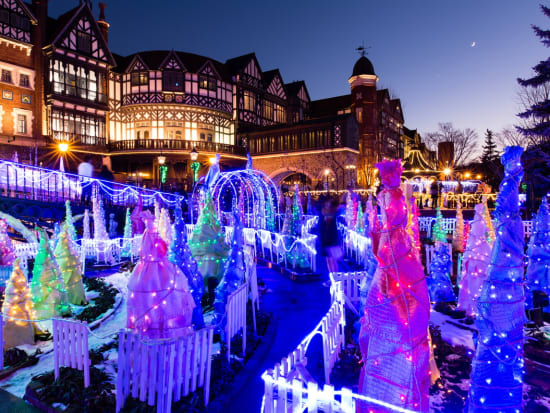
(160, 304)
(393, 338)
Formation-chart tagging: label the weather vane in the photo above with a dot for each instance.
(362, 50)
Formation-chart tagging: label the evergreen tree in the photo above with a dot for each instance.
(70, 269)
(360, 221)
(539, 112)
(489, 148)
(180, 254)
(18, 304)
(47, 290)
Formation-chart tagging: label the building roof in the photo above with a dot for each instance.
(363, 66)
(236, 64)
(293, 88)
(330, 106)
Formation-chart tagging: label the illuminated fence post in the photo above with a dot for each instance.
(70, 346)
(236, 316)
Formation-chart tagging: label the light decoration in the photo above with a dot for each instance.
(7, 254)
(47, 289)
(349, 210)
(100, 232)
(538, 268)
(58, 185)
(497, 367)
(207, 242)
(439, 281)
(438, 233)
(233, 276)
(156, 209)
(159, 305)
(69, 221)
(180, 254)
(488, 220)
(467, 230)
(86, 225)
(165, 227)
(309, 205)
(475, 267)
(18, 306)
(269, 213)
(70, 269)
(393, 337)
(458, 236)
(360, 221)
(126, 242)
(413, 228)
(137, 223)
(56, 234)
(113, 224)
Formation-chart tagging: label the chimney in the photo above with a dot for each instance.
(103, 25)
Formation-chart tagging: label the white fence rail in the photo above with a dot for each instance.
(236, 316)
(449, 224)
(355, 245)
(346, 286)
(70, 347)
(158, 372)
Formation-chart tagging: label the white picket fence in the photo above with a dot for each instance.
(236, 316)
(70, 346)
(355, 245)
(251, 276)
(430, 251)
(163, 371)
(332, 332)
(346, 286)
(449, 224)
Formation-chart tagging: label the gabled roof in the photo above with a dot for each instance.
(238, 63)
(330, 106)
(27, 11)
(64, 22)
(268, 76)
(292, 89)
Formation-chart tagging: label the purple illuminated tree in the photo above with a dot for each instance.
(497, 368)
(439, 281)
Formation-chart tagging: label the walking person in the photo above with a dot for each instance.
(86, 171)
(434, 193)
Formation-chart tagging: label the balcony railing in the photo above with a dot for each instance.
(175, 145)
(78, 139)
(74, 91)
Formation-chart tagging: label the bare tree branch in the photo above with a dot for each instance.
(465, 141)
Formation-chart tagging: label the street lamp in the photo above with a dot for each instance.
(63, 148)
(195, 166)
(467, 175)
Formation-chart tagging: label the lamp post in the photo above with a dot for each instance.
(163, 170)
(195, 166)
(326, 179)
(63, 148)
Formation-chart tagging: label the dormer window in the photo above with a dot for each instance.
(140, 78)
(207, 83)
(172, 81)
(84, 42)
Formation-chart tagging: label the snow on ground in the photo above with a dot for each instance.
(104, 334)
(452, 334)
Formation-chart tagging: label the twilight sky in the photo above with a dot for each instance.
(421, 50)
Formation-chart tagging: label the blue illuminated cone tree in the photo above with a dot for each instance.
(269, 213)
(497, 368)
(538, 269)
(47, 289)
(180, 254)
(70, 269)
(126, 243)
(475, 265)
(207, 243)
(439, 281)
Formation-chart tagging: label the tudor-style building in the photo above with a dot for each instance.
(157, 106)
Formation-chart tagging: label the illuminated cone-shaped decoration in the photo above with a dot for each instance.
(497, 368)
(126, 243)
(393, 338)
(287, 220)
(349, 210)
(475, 263)
(180, 254)
(538, 270)
(233, 276)
(360, 221)
(17, 306)
(269, 213)
(47, 290)
(297, 215)
(157, 213)
(438, 233)
(488, 220)
(69, 221)
(7, 254)
(439, 281)
(159, 303)
(100, 231)
(70, 269)
(458, 236)
(86, 225)
(208, 244)
(56, 234)
(467, 229)
(413, 228)
(165, 227)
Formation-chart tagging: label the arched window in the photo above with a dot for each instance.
(146, 134)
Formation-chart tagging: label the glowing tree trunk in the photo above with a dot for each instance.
(538, 270)
(100, 232)
(458, 236)
(475, 265)
(497, 368)
(180, 254)
(69, 221)
(70, 269)
(47, 290)
(208, 244)
(126, 242)
(439, 282)
(393, 338)
(233, 276)
(86, 225)
(159, 304)
(18, 305)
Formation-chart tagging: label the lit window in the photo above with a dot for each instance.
(173, 81)
(22, 124)
(6, 76)
(249, 101)
(140, 78)
(207, 83)
(24, 80)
